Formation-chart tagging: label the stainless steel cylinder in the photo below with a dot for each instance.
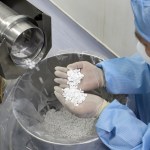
(24, 39)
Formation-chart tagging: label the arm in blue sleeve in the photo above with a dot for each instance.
(119, 129)
(126, 75)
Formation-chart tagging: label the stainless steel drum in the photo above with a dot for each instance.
(23, 37)
(34, 96)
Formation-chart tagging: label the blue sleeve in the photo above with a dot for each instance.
(126, 75)
(119, 129)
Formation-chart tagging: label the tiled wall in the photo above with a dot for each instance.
(109, 21)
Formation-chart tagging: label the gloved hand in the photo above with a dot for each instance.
(92, 106)
(93, 76)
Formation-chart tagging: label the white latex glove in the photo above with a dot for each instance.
(92, 106)
(93, 76)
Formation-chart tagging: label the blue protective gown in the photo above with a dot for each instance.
(118, 126)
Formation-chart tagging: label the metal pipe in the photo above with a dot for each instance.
(23, 38)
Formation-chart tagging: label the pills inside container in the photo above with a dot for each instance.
(62, 126)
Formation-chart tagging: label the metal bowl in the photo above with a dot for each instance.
(34, 96)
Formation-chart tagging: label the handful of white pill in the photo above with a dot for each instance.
(72, 93)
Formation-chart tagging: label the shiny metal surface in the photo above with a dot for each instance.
(28, 43)
(25, 36)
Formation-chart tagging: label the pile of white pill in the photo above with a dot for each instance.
(64, 126)
(72, 93)
(29, 63)
(74, 78)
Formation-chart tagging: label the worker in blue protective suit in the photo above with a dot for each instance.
(120, 127)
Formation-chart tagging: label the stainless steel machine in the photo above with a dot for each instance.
(25, 36)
